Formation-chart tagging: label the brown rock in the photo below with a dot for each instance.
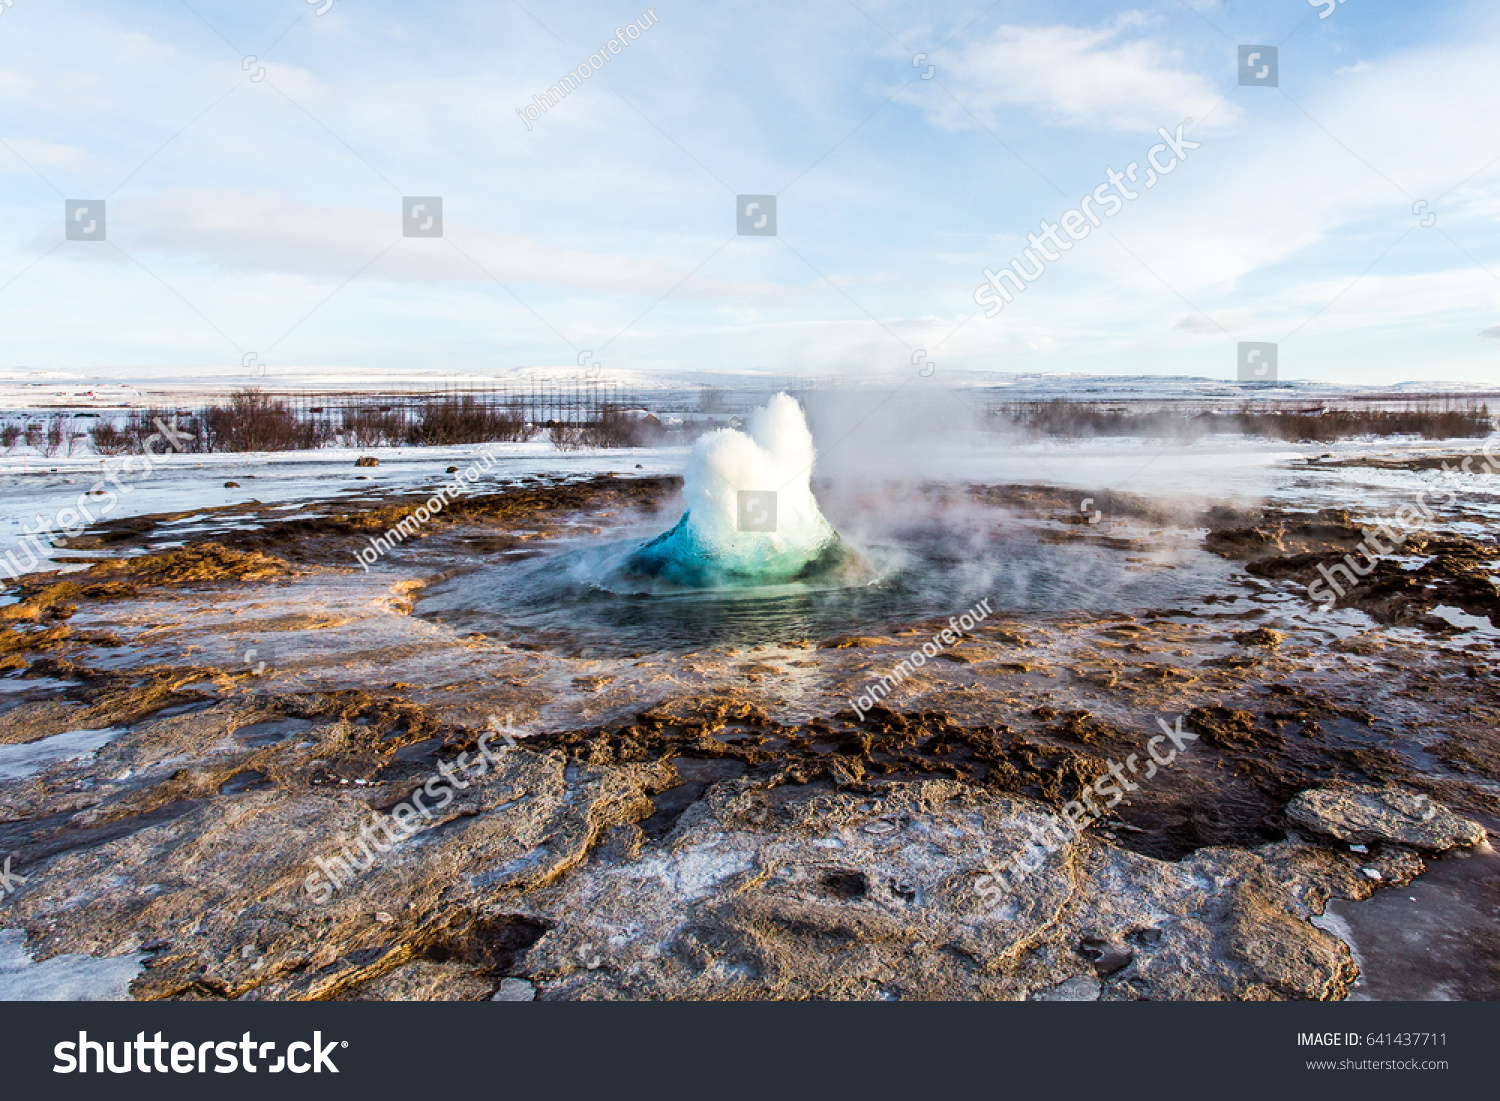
(1261, 636)
(1361, 814)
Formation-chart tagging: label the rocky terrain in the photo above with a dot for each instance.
(230, 710)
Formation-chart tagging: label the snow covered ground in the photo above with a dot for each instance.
(66, 978)
(186, 483)
(867, 433)
(1230, 469)
(24, 388)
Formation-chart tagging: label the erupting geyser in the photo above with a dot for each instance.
(751, 517)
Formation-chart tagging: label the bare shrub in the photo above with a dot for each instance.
(372, 426)
(464, 419)
(59, 435)
(616, 428)
(253, 421)
(140, 426)
(108, 439)
(566, 437)
(1060, 417)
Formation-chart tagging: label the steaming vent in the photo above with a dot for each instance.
(751, 517)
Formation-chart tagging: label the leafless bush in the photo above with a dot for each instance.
(10, 432)
(253, 421)
(108, 439)
(372, 426)
(1334, 424)
(59, 435)
(464, 419)
(140, 426)
(1080, 419)
(566, 437)
(616, 428)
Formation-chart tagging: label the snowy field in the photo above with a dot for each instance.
(1228, 469)
(864, 439)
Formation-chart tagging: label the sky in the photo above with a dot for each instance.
(254, 158)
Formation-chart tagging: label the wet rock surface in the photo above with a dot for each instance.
(1365, 815)
(819, 894)
(720, 823)
(1351, 562)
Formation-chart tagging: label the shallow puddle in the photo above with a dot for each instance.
(1436, 939)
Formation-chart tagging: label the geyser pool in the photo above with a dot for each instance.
(718, 577)
(572, 596)
(751, 516)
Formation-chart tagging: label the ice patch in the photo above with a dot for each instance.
(1480, 625)
(20, 761)
(72, 978)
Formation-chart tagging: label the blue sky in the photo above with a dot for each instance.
(255, 207)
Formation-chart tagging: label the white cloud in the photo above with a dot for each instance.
(1215, 322)
(1088, 77)
(267, 233)
(44, 154)
(1292, 189)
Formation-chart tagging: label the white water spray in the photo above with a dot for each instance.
(734, 483)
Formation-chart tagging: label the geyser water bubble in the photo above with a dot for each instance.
(751, 517)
